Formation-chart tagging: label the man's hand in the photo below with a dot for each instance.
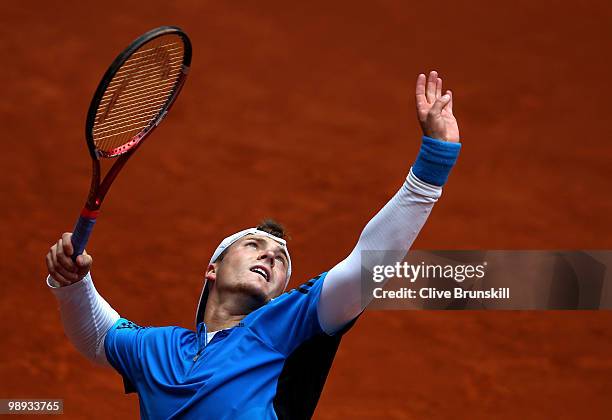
(61, 267)
(434, 110)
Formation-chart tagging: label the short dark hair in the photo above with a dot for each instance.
(270, 226)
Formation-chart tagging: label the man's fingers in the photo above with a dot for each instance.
(52, 272)
(58, 272)
(58, 277)
(84, 262)
(420, 91)
(436, 109)
(84, 259)
(430, 90)
(62, 263)
(438, 88)
(449, 106)
(67, 275)
(67, 242)
(64, 260)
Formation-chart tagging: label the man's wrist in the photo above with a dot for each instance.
(435, 160)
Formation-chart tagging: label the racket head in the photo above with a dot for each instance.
(137, 91)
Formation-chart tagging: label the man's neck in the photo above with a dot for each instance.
(226, 312)
(216, 319)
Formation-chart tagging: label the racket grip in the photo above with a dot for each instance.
(80, 235)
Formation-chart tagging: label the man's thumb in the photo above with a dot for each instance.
(83, 260)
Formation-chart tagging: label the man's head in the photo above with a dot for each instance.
(248, 268)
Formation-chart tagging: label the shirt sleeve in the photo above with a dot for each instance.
(394, 228)
(290, 319)
(86, 316)
(142, 354)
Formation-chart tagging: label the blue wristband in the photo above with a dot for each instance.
(435, 160)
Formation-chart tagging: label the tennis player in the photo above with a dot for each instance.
(257, 352)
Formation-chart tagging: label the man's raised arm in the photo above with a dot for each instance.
(398, 223)
(86, 316)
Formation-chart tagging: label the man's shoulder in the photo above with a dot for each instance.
(302, 295)
(290, 319)
(311, 285)
(126, 326)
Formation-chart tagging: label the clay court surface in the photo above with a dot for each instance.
(305, 112)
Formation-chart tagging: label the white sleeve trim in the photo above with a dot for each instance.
(86, 317)
(394, 228)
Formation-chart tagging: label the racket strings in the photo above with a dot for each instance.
(129, 110)
(138, 92)
(136, 115)
(170, 52)
(125, 113)
(112, 128)
(139, 86)
(142, 74)
(145, 49)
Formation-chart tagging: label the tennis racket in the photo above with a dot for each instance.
(133, 97)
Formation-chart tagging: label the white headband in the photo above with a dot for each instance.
(227, 242)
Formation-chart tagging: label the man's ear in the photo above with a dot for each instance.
(211, 272)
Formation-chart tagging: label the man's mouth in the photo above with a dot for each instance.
(262, 271)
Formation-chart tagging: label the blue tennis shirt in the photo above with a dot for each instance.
(271, 365)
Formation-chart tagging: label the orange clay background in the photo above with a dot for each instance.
(304, 111)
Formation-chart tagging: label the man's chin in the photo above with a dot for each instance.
(254, 292)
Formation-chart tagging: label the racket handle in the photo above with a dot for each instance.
(80, 235)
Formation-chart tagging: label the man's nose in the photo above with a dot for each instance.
(268, 255)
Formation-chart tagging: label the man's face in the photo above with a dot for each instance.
(254, 267)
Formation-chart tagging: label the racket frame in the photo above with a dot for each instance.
(99, 188)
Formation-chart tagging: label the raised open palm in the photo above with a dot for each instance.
(434, 110)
